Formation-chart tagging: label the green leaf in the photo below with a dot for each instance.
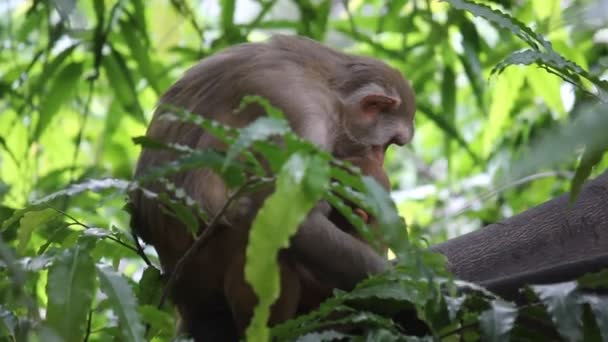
(599, 307)
(448, 94)
(505, 94)
(448, 129)
(502, 20)
(94, 185)
(390, 224)
(270, 110)
(100, 8)
(547, 86)
(555, 64)
(590, 158)
(150, 286)
(51, 68)
(390, 292)
(454, 305)
(183, 212)
(30, 221)
(548, 58)
(140, 53)
(70, 289)
(233, 174)
(123, 302)
(162, 324)
(497, 322)
(8, 323)
(563, 306)
(227, 18)
(122, 83)
(60, 90)
(327, 335)
(586, 128)
(261, 129)
(595, 281)
(470, 58)
(300, 185)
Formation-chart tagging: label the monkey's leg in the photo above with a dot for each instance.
(315, 290)
(207, 320)
(242, 299)
(199, 292)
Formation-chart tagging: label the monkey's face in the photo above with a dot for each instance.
(375, 117)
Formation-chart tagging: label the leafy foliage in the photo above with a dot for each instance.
(79, 80)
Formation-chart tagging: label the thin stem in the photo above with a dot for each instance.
(202, 240)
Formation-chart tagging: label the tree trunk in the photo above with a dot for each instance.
(553, 242)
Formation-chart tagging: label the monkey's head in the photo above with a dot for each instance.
(377, 110)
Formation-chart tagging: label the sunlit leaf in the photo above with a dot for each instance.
(599, 307)
(70, 289)
(31, 221)
(597, 280)
(546, 86)
(505, 94)
(589, 159)
(141, 54)
(586, 129)
(563, 305)
(150, 286)
(162, 323)
(123, 85)
(261, 129)
(269, 109)
(299, 186)
(390, 224)
(94, 185)
(60, 90)
(123, 302)
(8, 323)
(329, 335)
(448, 94)
(497, 322)
(447, 128)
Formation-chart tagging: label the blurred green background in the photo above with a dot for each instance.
(498, 130)
(78, 80)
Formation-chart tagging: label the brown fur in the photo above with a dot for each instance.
(225, 302)
(321, 92)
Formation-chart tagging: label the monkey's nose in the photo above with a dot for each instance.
(398, 139)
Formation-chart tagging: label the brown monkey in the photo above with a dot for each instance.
(222, 263)
(348, 105)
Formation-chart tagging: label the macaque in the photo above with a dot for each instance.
(225, 301)
(347, 105)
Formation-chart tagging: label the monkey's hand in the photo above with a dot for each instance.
(336, 255)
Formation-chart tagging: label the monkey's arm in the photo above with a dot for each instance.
(338, 256)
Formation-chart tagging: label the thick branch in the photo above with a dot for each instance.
(552, 242)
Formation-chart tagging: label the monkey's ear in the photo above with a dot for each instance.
(373, 104)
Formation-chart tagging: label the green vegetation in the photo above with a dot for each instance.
(511, 113)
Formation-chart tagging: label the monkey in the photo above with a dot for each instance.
(345, 104)
(302, 290)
